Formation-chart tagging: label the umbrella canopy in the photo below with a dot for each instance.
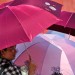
(53, 7)
(68, 20)
(68, 5)
(22, 23)
(67, 24)
(48, 56)
(69, 49)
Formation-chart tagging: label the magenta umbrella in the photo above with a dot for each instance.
(22, 23)
(50, 54)
(68, 19)
(67, 23)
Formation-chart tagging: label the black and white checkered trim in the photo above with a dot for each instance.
(11, 69)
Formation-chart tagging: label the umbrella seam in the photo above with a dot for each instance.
(19, 22)
(26, 50)
(43, 60)
(69, 19)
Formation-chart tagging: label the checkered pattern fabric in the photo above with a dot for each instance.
(9, 68)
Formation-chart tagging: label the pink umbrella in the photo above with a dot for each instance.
(22, 23)
(50, 55)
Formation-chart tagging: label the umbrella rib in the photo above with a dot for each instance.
(26, 50)
(69, 19)
(43, 62)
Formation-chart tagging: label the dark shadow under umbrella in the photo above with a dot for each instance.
(62, 29)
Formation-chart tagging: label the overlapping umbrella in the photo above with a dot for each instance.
(68, 20)
(22, 23)
(50, 53)
(67, 23)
